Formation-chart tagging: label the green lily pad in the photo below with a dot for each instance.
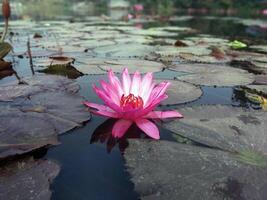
(224, 127)
(180, 92)
(27, 179)
(237, 44)
(212, 75)
(168, 170)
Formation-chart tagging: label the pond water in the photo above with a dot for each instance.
(92, 164)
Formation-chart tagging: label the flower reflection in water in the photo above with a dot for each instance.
(103, 134)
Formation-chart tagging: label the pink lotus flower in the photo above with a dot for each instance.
(264, 12)
(132, 101)
(138, 7)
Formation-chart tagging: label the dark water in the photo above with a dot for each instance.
(97, 171)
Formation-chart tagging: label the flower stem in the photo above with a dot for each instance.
(5, 30)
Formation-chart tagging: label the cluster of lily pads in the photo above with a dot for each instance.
(230, 141)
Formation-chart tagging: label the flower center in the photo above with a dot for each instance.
(131, 101)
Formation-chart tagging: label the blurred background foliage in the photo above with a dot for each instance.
(49, 8)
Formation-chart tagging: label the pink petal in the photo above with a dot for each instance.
(101, 110)
(120, 127)
(107, 100)
(163, 115)
(147, 94)
(151, 107)
(148, 127)
(146, 84)
(126, 82)
(159, 90)
(113, 95)
(115, 82)
(135, 86)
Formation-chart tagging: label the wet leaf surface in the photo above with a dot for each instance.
(27, 179)
(224, 127)
(262, 89)
(180, 92)
(48, 106)
(167, 170)
(212, 75)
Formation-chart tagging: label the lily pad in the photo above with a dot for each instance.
(172, 51)
(212, 75)
(208, 40)
(27, 179)
(48, 106)
(5, 48)
(167, 170)
(180, 92)
(209, 59)
(54, 60)
(63, 70)
(143, 66)
(224, 127)
(125, 50)
(261, 79)
(262, 89)
(237, 44)
(152, 32)
(260, 48)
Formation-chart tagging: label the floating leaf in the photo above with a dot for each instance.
(224, 127)
(179, 43)
(40, 105)
(218, 53)
(63, 70)
(261, 89)
(210, 59)
(212, 75)
(172, 51)
(119, 51)
(180, 92)
(237, 44)
(133, 65)
(54, 60)
(168, 170)
(5, 48)
(5, 65)
(27, 179)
